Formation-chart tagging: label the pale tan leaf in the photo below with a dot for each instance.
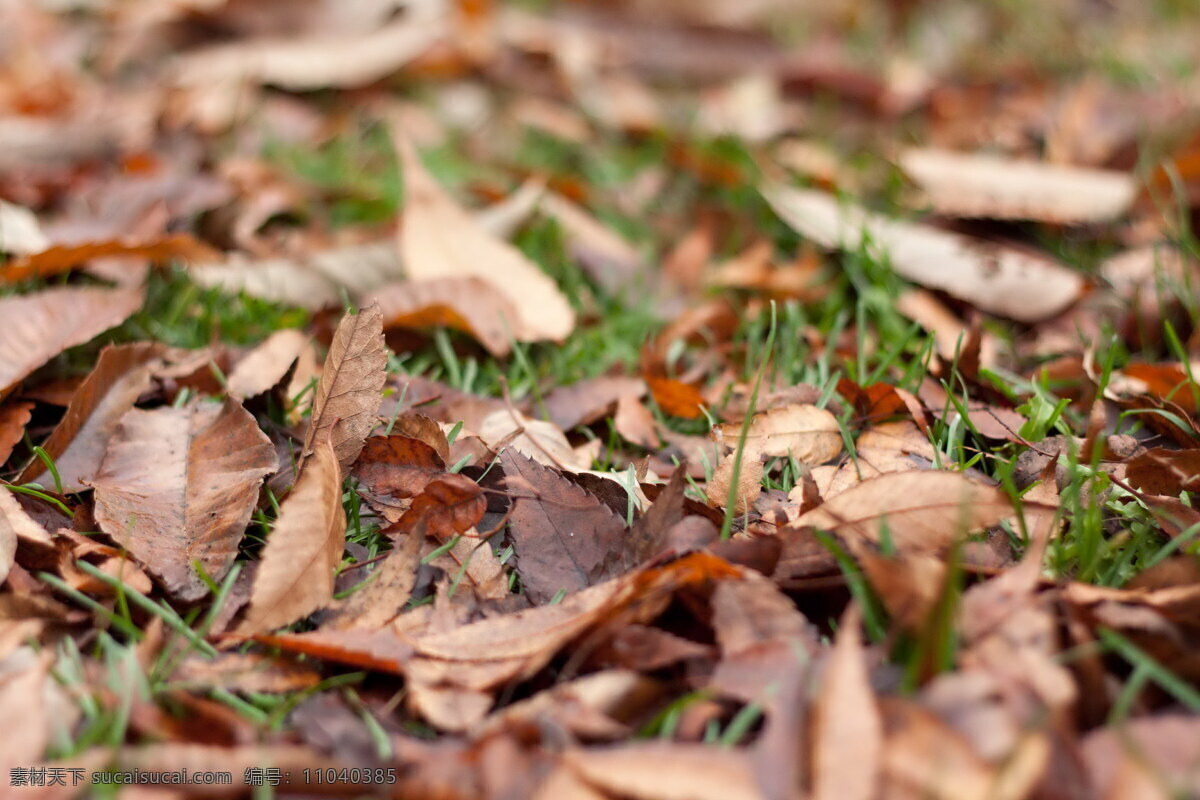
(749, 482)
(20, 233)
(178, 485)
(281, 280)
(17, 526)
(122, 373)
(385, 593)
(924, 758)
(667, 771)
(295, 576)
(351, 387)
(847, 721)
(265, 365)
(14, 417)
(539, 439)
(441, 240)
(1000, 280)
(315, 62)
(607, 257)
(973, 185)
(924, 511)
(470, 305)
(809, 434)
(37, 327)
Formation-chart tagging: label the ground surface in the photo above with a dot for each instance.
(631, 400)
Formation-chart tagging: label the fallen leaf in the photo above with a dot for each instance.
(667, 771)
(675, 397)
(387, 590)
(315, 62)
(121, 375)
(635, 423)
(20, 233)
(40, 326)
(178, 486)
(266, 365)
(1164, 472)
(393, 469)
(976, 185)
(847, 720)
(607, 257)
(16, 525)
(563, 537)
(1000, 280)
(809, 434)
(924, 758)
(923, 511)
(449, 505)
(469, 304)
(538, 439)
(63, 258)
(350, 390)
(749, 482)
(295, 575)
(441, 240)
(13, 419)
(590, 400)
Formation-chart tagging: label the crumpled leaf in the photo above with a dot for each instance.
(1000, 280)
(440, 240)
(450, 504)
(39, 326)
(563, 538)
(178, 485)
(295, 576)
(350, 390)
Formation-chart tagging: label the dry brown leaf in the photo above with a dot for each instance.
(392, 469)
(563, 537)
(266, 365)
(973, 185)
(923, 511)
(635, 423)
(847, 721)
(388, 589)
(1164, 472)
(13, 419)
(295, 575)
(64, 258)
(16, 525)
(997, 279)
(538, 439)
(440, 240)
(23, 684)
(178, 485)
(449, 504)
(349, 393)
(667, 771)
(469, 304)
(924, 758)
(39, 326)
(809, 434)
(316, 62)
(122, 374)
(749, 482)
(587, 401)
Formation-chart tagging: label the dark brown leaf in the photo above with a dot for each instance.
(563, 538)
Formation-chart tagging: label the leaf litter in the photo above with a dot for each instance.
(629, 400)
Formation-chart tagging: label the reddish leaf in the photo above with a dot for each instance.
(450, 504)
